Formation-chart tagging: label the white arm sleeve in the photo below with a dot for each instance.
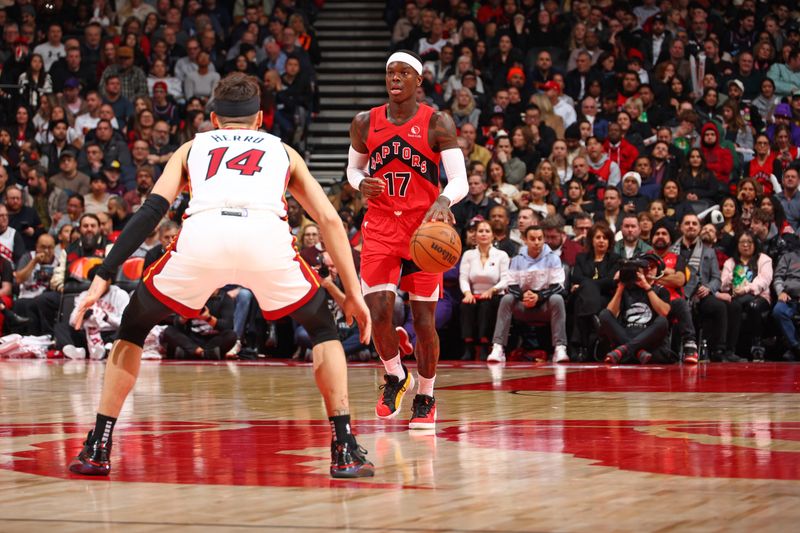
(456, 171)
(356, 167)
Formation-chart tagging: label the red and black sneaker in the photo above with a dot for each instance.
(615, 356)
(644, 356)
(690, 355)
(348, 460)
(423, 412)
(94, 459)
(406, 348)
(392, 396)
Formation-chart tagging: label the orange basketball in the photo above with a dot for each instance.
(435, 247)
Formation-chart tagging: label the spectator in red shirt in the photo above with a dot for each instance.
(619, 150)
(718, 159)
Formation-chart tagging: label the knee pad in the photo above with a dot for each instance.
(317, 319)
(143, 312)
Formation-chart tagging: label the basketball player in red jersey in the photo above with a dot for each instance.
(394, 161)
(238, 176)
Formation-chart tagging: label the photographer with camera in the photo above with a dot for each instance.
(535, 285)
(33, 274)
(635, 320)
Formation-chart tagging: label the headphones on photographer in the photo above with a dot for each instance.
(652, 257)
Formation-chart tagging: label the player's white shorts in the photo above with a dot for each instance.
(232, 246)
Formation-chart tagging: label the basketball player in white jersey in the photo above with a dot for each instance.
(236, 233)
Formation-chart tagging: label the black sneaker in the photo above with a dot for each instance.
(644, 357)
(392, 396)
(348, 460)
(94, 459)
(423, 412)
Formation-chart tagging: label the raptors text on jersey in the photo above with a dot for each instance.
(402, 156)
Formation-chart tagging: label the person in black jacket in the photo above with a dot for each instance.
(592, 285)
(698, 183)
(210, 336)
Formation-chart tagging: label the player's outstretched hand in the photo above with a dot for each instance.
(355, 307)
(371, 187)
(440, 210)
(96, 291)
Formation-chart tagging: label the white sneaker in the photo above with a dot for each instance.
(560, 355)
(72, 352)
(497, 355)
(96, 352)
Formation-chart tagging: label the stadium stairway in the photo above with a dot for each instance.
(354, 41)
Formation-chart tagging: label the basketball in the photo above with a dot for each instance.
(435, 247)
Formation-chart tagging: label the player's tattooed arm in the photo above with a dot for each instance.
(358, 132)
(442, 133)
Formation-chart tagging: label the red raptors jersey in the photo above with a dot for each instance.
(762, 173)
(671, 261)
(402, 157)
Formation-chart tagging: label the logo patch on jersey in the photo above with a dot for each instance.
(398, 148)
(414, 132)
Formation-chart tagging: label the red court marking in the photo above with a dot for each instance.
(716, 377)
(260, 454)
(631, 445)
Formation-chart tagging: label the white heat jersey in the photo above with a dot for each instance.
(237, 168)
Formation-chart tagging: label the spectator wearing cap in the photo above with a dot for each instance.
(70, 98)
(72, 67)
(70, 179)
(560, 107)
(96, 201)
(132, 78)
(783, 117)
(48, 201)
(786, 75)
(656, 43)
(633, 201)
(113, 173)
(795, 103)
(163, 108)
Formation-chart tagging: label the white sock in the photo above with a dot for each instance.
(394, 366)
(425, 385)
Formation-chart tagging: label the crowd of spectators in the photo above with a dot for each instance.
(95, 96)
(593, 132)
(659, 129)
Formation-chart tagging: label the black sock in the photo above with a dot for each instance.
(340, 427)
(103, 428)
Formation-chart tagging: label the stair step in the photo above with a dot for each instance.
(376, 16)
(354, 89)
(359, 101)
(334, 5)
(346, 56)
(362, 33)
(327, 157)
(347, 44)
(329, 141)
(337, 115)
(321, 24)
(343, 77)
(354, 67)
(329, 127)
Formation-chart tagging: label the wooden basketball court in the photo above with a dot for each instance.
(520, 447)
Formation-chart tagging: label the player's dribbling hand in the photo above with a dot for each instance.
(371, 187)
(96, 291)
(440, 210)
(354, 306)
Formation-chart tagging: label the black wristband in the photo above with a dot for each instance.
(142, 224)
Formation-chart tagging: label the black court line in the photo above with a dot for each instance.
(95, 523)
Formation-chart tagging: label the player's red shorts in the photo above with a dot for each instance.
(385, 260)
